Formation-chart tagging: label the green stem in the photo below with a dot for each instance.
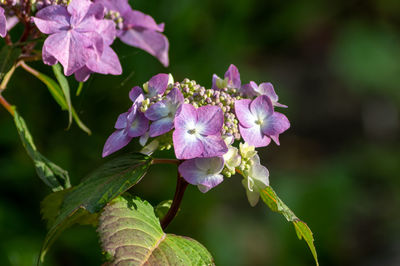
(6, 105)
(7, 77)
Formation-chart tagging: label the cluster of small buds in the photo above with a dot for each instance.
(116, 17)
(40, 4)
(224, 98)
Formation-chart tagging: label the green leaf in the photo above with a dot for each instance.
(95, 191)
(51, 174)
(269, 196)
(8, 57)
(132, 235)
(162, 208)
(58, 96)
(79, 90)
(62, 80)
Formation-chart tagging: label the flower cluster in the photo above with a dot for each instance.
(81, 32)
(204, 127)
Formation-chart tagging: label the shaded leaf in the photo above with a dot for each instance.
(162, 208)
(95, 191)
(51, 174)
(132, 235)
(62, 80)
(269, 196)
(58, 96)
(8, 57)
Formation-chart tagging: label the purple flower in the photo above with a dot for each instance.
(140, 30)
(232, 79)
(258, 122)
(252, 90)
(205, 173)
(3, 23)
(129, 125)
(156, 85)
(197, 132)
(163, 113)
(79, 37)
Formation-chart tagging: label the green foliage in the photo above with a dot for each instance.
(62, 80)
(51, 174)
(59, 96)
(270, 198)
(8, 57)
(92, 194)
(162, 208)
(131, 234)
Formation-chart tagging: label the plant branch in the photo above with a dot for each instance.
(181, 186)
(6, 105)
(7, 77)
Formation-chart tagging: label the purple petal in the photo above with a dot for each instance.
(122, 121)
(186, 146)
(175, 96)
(157, 111)
(213, 145)
(254, 137)
(139, 126)
(161, 126)
(115, 142)
(210, 119)
(275, 138)
(3, 23)
(261, 107)
(69, 48)
(11, 22)
(214, 82)
(275, 124)
(268, 89)
(150, 41)
(78, 10)
(249, 89)
(233, 77)
(135, 93)
(52, 19)
(205, 177)
(187, 118)
(242, 111)
(82, 74)
(141, 20)
(122, 6)
(107, 63)
(158, 84)
(106, 28)
(48, 59)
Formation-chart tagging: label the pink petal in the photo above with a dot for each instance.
(253, 136)
(210, 119)
(52, 19)
(158, 84)
(275, 124)
(213, 145)
(187, 118)
(233, 77)
(261, 107)
(186, 146)
(243, 113)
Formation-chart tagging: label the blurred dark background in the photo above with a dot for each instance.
(336, 64)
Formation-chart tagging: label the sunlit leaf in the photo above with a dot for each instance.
(62, 80)
(132, 235)
(51, 174)
(96, 190)
(269, 196)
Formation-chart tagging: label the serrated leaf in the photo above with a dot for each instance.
(94, 192)
(51, 174)
(131, 233)
(270, 198)
(8, 57)
(62, 80)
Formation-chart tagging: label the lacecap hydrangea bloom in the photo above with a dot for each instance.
(214, 132)
(81, 32)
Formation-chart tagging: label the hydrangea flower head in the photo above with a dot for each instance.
(253, 90)
(203, 127)
(77, 36)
